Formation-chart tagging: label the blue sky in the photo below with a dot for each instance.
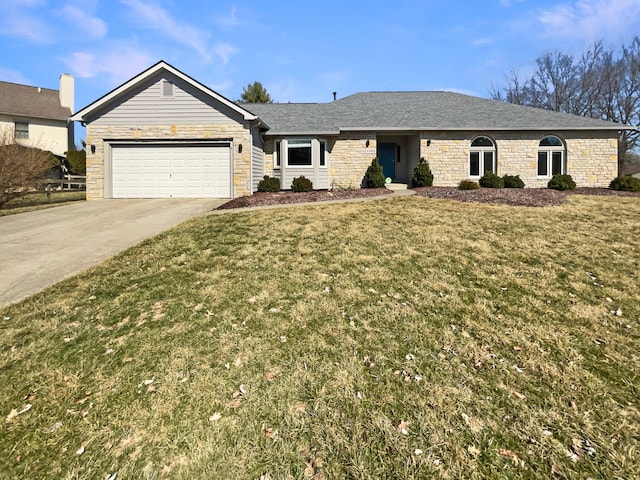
(300, 51)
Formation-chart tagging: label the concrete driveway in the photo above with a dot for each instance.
(38, 249)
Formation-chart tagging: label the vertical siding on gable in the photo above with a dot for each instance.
(257, 159)
(146, 105)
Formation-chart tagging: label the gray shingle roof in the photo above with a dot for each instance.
(416, 111)
(34, 102)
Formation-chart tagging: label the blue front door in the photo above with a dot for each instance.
(387, 159)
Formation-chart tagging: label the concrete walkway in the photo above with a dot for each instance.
(41, 248)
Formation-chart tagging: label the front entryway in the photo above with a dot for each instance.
(171, 171)
(387, 159)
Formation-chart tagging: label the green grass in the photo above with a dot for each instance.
(39, 201)
(301, 342)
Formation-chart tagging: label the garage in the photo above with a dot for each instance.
(171, 170)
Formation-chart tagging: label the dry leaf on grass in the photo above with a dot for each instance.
(519, 395)
(15, 412)
(403, 427)
(474, 423)
(271, 433)
(473, 450)
(215, 417)
(517, 461)
(53, 427)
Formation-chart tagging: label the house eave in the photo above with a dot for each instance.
(487, 129)
(39, 117)
(286, 133)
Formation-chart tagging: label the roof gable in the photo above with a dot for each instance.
(141, 81)
(32, 102)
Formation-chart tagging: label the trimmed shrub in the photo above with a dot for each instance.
(374, 178)
(269, 184)
(561, 182)
(512, 181)
(422, 175)
(625, 184)
(77, 161)
(468, 185)
(301, 184)
(491, 180)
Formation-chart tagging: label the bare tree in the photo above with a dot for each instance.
(602, 84)
(21, 168)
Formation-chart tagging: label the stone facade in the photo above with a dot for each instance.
(101, 136)
(591, 157)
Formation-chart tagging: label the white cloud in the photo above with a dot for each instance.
(152, 15)
(109, 63)
(22, 23)
(592, 20)
(221, 87)
(92, 26)
(481, 41)
(229, 21)
(7, 75)
(224, 51)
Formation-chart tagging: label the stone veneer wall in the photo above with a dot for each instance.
(235, 133)
(591, 157)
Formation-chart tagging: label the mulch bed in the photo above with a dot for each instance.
(522, 197)
(527, 197)
(262, 199)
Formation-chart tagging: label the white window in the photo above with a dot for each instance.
(551, 157)
(482, 157)
(21, 130)
(300, 153)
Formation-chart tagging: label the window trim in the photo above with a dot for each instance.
(549, 151)
(276, 155)
(319, 153)
(22, 134)
(481, 150)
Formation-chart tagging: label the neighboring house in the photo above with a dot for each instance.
(39, 117)
(164, 134)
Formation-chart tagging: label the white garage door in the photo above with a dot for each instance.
(164, 171)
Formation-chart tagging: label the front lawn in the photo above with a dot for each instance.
(402, 338)
(39, 201)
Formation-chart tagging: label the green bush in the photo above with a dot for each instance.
(561, 182)
(625, 184)
(512, 181)
(77, 161)
(468, 185)
(491, 180)
(301, 184)
(374, 178)
(269, 184)
(422, 175)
